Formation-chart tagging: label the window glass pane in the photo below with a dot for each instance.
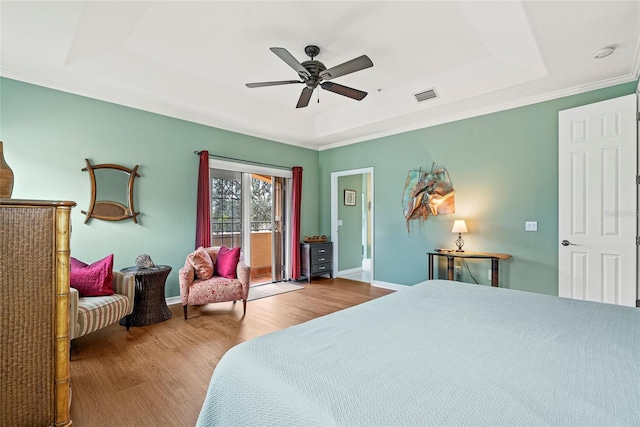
(226, 208)
(260, 203)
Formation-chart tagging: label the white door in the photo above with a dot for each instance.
(598, 202)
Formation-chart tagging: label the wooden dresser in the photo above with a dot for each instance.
(34, 312)
(316, 259)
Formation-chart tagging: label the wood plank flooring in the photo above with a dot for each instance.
(158, 375)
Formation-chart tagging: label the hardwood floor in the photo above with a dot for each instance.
(158, 375)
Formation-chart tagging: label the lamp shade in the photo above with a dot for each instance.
(459, 226)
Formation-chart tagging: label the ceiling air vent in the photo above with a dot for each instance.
(426, 95)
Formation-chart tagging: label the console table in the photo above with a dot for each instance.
(451, 254)
(149, 305)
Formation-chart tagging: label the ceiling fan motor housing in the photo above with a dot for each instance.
(314, 68)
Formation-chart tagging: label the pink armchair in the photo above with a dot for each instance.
(195, 291)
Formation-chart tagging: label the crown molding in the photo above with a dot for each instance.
(194, 117)
(635, 70)
(489, 110)
(139, 103)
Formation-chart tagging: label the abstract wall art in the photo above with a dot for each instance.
(427, 193)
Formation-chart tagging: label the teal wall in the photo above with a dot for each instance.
(350, 233)
(504, 168)
(47, 135)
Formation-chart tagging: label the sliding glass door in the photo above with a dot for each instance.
(250, 208)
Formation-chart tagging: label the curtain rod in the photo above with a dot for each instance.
(197, 153)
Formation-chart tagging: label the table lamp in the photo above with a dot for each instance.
(459, 226)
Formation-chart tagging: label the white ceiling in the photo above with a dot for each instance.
(191, 60)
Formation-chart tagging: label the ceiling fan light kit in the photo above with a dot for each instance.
(314, 73)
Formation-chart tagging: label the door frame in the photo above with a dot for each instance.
(246, 168)
(637, 195)
(335, 200)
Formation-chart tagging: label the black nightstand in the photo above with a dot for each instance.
(316, 259)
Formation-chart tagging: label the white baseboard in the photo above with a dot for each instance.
(387, 285)
(174, 300)
(349, 271)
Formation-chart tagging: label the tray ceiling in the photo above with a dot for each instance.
(191, 60)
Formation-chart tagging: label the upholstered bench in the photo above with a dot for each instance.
(88, 314)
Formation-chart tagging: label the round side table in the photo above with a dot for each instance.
(149, 306)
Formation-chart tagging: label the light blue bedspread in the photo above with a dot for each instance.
(438, 353)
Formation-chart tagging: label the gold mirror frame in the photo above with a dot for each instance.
(109, 210)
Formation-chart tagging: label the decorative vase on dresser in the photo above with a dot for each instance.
(316, 259)
(6, 177)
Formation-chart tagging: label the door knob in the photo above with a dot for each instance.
(567, 243)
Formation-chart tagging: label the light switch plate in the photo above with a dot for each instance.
(339, 223)
(531, 226)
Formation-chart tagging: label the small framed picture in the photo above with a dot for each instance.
(349, 197)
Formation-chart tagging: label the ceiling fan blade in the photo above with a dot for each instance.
(344, 90)
(282, 82)
(305, 96)
(291, 61)
(357, 64)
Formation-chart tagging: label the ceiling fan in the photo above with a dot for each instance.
(313, 74)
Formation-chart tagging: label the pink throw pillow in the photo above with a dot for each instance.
(202, 263)
(227, 262)
(92, 280)
(75, 264)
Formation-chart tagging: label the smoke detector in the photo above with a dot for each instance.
(603, 53)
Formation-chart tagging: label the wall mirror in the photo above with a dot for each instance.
(111, 192)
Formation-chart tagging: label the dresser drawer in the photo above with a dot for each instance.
(321, 268)
(320, 259)
(318, 250)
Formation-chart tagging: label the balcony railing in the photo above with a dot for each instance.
(221, 227)
(260, 261)
(260, 225)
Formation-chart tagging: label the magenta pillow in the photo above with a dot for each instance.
(227, 262)
(75, 264)
(92, 280)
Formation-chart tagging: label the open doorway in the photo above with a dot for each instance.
(352, 230)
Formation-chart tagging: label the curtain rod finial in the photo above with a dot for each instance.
(197, 153)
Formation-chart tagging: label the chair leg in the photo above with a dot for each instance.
(127, 321)
(185, 311)
(244, 306)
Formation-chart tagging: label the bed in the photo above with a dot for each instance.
(438, 353)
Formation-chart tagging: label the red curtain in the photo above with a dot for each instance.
(295, 222)
(203, 209)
